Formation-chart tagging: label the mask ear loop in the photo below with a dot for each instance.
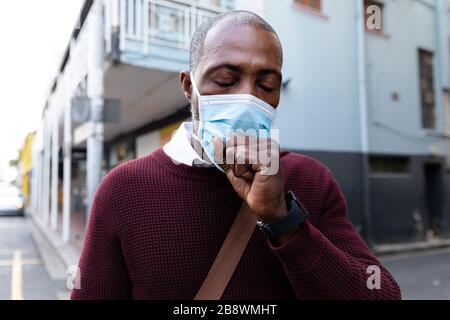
(207, 155)
(195, 88)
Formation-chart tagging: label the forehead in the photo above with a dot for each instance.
(249, 45)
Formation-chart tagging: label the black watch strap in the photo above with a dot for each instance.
(296, 216)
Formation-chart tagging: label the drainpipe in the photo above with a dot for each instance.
(363, 118)
(441, 66)
(95, 91)
(115, 32)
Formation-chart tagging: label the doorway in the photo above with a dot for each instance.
(434, 198)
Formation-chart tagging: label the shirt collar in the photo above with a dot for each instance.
(180, 148)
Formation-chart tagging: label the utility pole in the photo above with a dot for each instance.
(95, 91)
(363, 118)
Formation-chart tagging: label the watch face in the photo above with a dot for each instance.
(290, 196)
(296, 215)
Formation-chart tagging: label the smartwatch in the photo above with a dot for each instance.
(296, 216)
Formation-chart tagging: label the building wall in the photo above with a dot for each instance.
(147, 143)
(150, 141)
(318, 109)
(319, 112)
(256, 6)
(399, 206)
(396, 124)
(320, 62)
(393, 68)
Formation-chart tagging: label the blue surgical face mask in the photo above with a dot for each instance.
(219, 115)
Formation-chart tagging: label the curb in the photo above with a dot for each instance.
(392, 249)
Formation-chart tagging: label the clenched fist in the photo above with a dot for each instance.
(252, 166)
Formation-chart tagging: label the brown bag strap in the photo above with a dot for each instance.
(229, 255)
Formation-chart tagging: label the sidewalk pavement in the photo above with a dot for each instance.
(60, 255)
(56, 255)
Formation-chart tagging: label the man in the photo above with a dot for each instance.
(157, 223)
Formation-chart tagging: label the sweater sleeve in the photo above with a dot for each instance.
(102, 271)
(330, 260)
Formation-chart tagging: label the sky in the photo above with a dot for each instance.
(33, 37)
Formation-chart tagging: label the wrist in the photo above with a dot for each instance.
(279, 212)
(282, 229)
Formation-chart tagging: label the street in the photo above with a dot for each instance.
(22, 272)
(23, 275)
(422, 275)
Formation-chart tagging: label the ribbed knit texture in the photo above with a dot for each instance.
(156, 227)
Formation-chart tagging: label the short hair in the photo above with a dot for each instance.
(236, 18)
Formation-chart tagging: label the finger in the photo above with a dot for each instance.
(257, 154)
(268, 156)
(262, 144)
(243, 171)
(241, 165)
(243, 161)
(237, 139)
(242, 155)
(240, 185)
(219, 150)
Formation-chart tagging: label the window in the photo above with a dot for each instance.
(389, 165)
(373, 11)
(311, 4)
(427, 89)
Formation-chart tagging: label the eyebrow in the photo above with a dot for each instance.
(236, 68)
(229, 66)
(268, 72)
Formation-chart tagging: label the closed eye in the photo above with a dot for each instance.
(267, 89)
(224, 84)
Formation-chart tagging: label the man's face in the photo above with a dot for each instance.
(237, 60)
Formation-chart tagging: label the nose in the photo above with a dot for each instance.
(247, 86)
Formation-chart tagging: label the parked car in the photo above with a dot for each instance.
(11, 200)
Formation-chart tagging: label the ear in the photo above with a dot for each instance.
(186, 84)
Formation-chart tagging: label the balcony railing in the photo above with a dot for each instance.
(162, 22)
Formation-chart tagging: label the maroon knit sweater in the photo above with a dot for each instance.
(156, 227)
